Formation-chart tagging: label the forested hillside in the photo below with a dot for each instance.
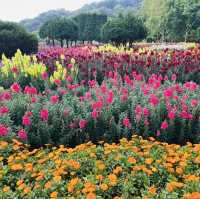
(108, 7)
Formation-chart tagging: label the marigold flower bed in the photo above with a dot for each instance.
(132, 169)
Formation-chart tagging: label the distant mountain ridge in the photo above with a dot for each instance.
(109, 7)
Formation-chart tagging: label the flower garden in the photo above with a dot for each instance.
(100, 122)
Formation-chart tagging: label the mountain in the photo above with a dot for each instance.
(34, 24)
(109, 7)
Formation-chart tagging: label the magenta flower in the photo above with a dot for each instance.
(54, 99)
(4, 109)
(171, 115)
(15, 87)
(82, 123)
(153, 100)
(22, 134)
(164, 125)
(94, 114)
(44, 114)
(3, 130)
(26, 120)
(126, 122)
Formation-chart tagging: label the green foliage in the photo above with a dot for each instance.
(13, 37)
(59, 29)
(124, 29)
(175, 20)
(90, 26)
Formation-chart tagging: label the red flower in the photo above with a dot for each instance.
(3, 130)
(22, 134)
(44, 114)
(15, 87)
(54, 99)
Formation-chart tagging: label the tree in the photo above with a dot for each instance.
(174, 20)
(124, 29)
(13, 37)
(90, 25)
(59, 29)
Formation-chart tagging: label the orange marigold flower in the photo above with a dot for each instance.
(48, 185)
(57, 178)
(6, 189)
(149, 161)
(131, 160)
(104, 187)
(113, 179)
(152, 190)
(16, 167)
(54, 195)
(197, 160)
(194, 195)
(91, 196)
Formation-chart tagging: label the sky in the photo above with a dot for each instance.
(16, 10)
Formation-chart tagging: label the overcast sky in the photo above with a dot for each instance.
(16, 10)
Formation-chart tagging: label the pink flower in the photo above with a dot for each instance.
(138, 110)
(3, 130)
(171, 115)
(194, 103)
(4, 109)
(15, 87)
(153, 100)
(44, 75)
(69, 66)
(44, 114)
(94, 114)
(97, 105)
(22, 134)
(69, 79)
(30, 90)
(26, 121)
(173, 77)
(54, 99)
(110, 97)
(168, 92)
(33, 99)
(158, 133)
(82, 123)
(146, 112)
(126, 122)
(164, 125)
(192, 86)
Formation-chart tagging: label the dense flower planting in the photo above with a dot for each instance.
(110, 97)
(101, 61)
(131, 169)
(74, 114)
(52, 66)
